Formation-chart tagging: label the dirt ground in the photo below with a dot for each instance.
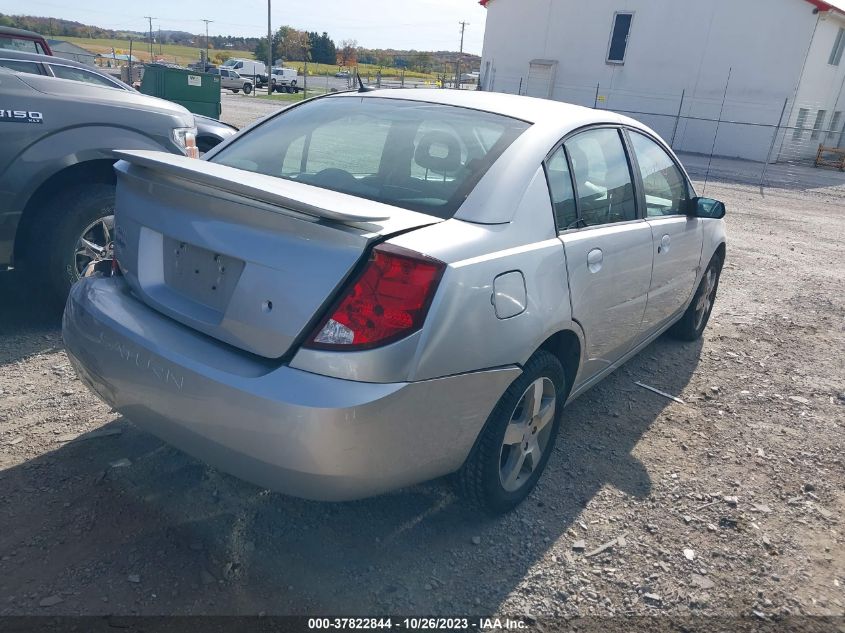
(729, 504)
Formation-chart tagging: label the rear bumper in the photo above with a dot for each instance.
(288, 430)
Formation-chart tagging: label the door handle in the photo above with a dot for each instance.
(665, 243)
(594, 260)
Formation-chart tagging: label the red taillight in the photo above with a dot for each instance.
(388, 301)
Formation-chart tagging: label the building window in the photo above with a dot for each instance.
(818, 125)
(798, 134)
(838, 48)
(619, 38)
(834, 135)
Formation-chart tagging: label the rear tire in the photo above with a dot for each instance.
(514, 447)
(691, 325)
(235, 90)
(53, 252)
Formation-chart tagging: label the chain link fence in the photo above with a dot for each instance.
(764, 142)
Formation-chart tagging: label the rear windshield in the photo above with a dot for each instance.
(420, 156)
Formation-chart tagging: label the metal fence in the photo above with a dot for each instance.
(777, 141)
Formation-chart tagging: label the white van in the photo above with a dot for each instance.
(283, 80)
(248, 68)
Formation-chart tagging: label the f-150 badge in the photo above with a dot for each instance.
(21, 116)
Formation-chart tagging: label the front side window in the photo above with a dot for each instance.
(619, 37)
(419, 156)
(838, 48)
(664, 185)
(560, 187)
(603, 181)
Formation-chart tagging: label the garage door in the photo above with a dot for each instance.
(541, 76)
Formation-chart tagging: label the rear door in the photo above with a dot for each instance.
(608, 246)
(676, 237)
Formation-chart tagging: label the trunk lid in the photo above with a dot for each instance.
(246, 258)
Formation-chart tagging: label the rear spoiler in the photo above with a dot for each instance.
(297, 196)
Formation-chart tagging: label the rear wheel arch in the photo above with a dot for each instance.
(37, 209)
(566, 346)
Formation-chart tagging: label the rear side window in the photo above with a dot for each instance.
(21, 66)
(664, 185)
(77, 74)
(602, 177)
(20, 44)
(560, 186)
(419, 156)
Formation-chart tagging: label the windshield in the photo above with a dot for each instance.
(230, 62)
(420, 156)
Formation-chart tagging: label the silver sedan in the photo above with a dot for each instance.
(374, 289)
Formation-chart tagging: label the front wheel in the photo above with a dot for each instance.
(518, 438)
(691, 325)
(247, 88)
(79, 229)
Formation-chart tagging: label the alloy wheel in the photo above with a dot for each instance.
(705, 301)
(94, 243)
(527, 434)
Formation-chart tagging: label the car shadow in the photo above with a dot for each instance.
(120, 523)
(30, 323)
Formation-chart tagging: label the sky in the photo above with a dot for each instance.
(402, 24)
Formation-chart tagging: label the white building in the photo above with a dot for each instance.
(682, 65)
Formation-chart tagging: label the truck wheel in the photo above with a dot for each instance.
(235, 90)
(78, 229)
(247, 88)
(518, 438)
(273, 86)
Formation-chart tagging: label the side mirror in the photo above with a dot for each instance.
(706, 208)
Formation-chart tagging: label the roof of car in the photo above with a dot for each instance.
(56, 61)
(529, 109)
(35, 57)
(8, 30)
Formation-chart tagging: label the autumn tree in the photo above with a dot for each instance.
(347, 55)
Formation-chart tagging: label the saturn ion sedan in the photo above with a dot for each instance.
(374, 289)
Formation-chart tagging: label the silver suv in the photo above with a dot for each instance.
(370, 290)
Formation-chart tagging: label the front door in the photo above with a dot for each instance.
(608, 248)
(677, 238)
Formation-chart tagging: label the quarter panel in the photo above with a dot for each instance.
(462, 332)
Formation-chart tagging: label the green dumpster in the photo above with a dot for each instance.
(198, 92)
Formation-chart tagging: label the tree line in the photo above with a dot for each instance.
(289, 44)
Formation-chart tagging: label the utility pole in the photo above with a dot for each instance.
(460, 56)
(206, 41)
(269, 47)
(159, 40)
(151, 36)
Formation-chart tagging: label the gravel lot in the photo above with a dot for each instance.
(731, 503)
